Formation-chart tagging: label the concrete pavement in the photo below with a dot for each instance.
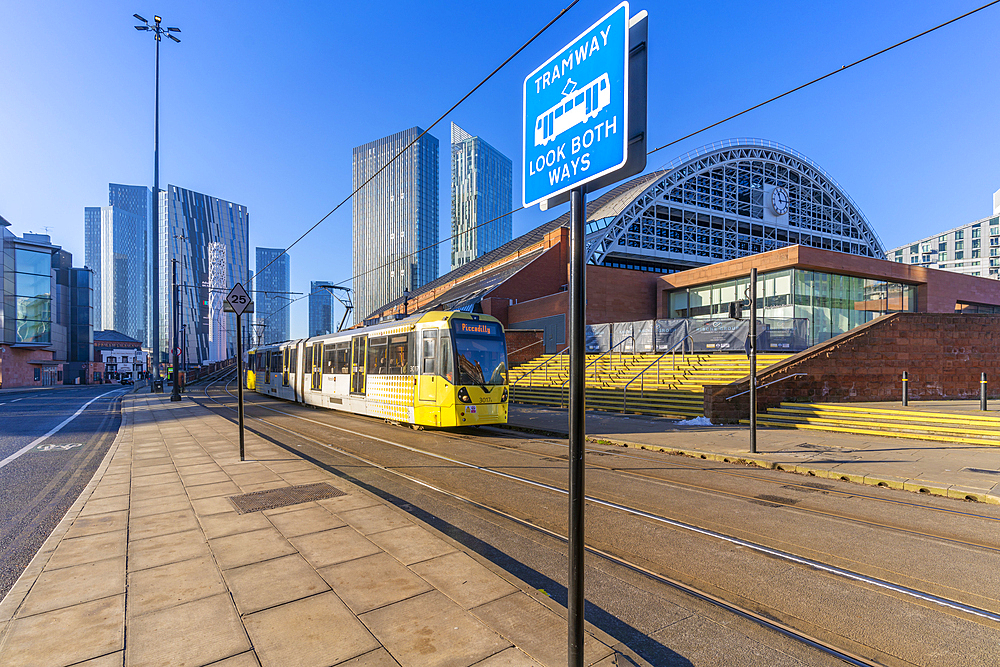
(938, 468)
(154, 565)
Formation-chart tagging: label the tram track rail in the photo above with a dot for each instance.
(762, 619)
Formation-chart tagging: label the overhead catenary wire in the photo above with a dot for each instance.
(650, 152)
(429, 128)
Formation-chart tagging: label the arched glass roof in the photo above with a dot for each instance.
(726, 200)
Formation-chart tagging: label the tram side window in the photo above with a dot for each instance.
(329, 359)
(399, 355)
(275, 361)
(428, 352)
(447, 356)
(343, 357)
(377, 355)
(293, 360)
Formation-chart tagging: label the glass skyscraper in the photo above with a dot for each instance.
(208, 239)
(272, 298)
(394, 219)
(321, 319)
(481, 197)
(116, 250)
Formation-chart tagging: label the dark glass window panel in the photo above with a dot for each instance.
(27, 284)
(32, 261)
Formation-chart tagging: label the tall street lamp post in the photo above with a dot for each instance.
(158, 33)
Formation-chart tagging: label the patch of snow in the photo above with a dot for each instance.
(696, 421)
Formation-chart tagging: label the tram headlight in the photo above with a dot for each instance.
(463, 395)
(503, 397)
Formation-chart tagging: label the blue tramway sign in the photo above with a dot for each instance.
(576, 111)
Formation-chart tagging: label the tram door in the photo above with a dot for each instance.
(359, 348)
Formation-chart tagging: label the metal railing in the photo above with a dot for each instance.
(611, 366)
(673, 351)
(537, 342)
(781, 379)
(642, 381)
(544, 364)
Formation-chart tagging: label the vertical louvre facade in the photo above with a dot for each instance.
(481, 197)
(394, 219)
(272, 297)
(195, 230)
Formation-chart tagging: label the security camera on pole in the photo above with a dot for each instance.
(239, 302)
(584, 128)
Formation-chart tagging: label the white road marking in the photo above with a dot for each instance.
(40, 440)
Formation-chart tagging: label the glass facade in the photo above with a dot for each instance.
(394, 219)
(833, 304)
(33, 295)
(481, 197)
(321, 310)
(272, 296)
(197, 233)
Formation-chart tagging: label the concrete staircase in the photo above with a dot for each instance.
(669, 386)
(860, 420)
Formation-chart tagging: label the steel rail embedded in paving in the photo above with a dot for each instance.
(747, 614)
(775, 553)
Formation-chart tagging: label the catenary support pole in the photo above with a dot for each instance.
(753, 361)
(239, 378)
(175, 394)
(577, 426)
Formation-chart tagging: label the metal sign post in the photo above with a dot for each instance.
(240, 302)
(579, 113)
(753, 361)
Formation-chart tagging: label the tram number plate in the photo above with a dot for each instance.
(63, 447)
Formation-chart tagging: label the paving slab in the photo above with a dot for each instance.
(169, 585)
(304, 521)
(273, 582)
(432, 630)
(250, 547)
(311, 644)
(209, 586)
(194, 633)
(222, 524)
(164, 549)
(531, 626)
(463, 579)
(333, 546)
(411, 544)
(66, 636)
(87, 549)
(373, 581)
(57, 589)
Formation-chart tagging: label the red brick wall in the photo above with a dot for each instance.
(15, 369)
(523, 345)
(943, 354)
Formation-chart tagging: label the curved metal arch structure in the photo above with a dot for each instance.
(709, 206)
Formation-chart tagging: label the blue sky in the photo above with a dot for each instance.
(262, 102)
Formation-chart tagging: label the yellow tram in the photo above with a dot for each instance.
(434, 369)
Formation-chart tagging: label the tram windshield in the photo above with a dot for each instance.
(482, 352)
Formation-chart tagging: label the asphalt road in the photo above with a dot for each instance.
(50, 446)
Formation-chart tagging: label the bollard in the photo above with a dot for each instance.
(906, 389)
(982, 392)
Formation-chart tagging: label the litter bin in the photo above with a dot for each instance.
(157, 386)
